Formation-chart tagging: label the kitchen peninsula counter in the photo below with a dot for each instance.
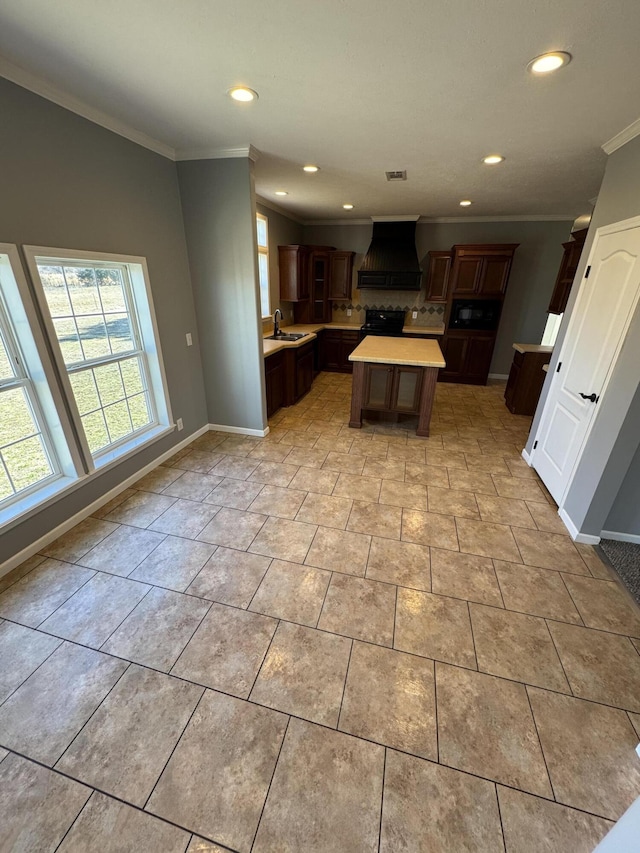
(395, 375)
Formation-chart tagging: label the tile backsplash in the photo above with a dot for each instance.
(429, 313)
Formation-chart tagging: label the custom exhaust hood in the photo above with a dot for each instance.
(391, 262)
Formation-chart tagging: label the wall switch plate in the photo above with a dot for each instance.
(414, 315)
(179, 424)
(189, 339)
(348, 312)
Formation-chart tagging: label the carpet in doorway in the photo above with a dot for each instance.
(625, 559)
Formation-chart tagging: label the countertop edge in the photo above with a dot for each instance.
(310, 329)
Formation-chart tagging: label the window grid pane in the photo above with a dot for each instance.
(109, 376)
(24, 456)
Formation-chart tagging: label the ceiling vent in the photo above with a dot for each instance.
(396, 176)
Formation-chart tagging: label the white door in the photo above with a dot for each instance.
(606, 301)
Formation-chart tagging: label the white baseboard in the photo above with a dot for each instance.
(503, 376)
(621, 537)
(582, 538)
(526, 457)
(239, 430)
(86, 511)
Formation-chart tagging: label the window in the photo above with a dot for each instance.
(99, 317)
(551, 329)
(27, 458)
(263, 264)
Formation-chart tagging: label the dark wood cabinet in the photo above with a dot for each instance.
(567, 272)
(394, 388)
(337, 346)
(468, 356)
(438, 276)
(312, 276)
(340, 274)
(525, 382)
(294, 272)
(303, 370)
(274, 371)
(481, 270)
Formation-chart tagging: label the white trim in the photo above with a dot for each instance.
(86, 511)
(239, 430)
(630, 132)
(582, 538)
(45, 89)
(527, 457)
(620, 537)
(217, 153)
(504, 376)
(451, 220)
(264, 202)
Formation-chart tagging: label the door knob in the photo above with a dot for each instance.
(593, 397)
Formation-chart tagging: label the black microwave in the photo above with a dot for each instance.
(475, 314)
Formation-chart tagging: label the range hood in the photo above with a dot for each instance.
(391, 263)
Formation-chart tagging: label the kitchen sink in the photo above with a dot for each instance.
(283, 337)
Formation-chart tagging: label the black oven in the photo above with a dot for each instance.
(475, 314)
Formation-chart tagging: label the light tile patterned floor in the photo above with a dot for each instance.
(324, 640)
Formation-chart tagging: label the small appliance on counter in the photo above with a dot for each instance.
(383, 322)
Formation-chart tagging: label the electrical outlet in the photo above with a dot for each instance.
(189, 339)
(179, 424)
(348, 312)
(414, 315)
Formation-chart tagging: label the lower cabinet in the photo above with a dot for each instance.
(392, 388)
(274, 374)
(288, 376)
(468, 356)
(337, 346)
(525, 382)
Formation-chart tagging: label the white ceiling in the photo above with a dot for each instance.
(358, 87)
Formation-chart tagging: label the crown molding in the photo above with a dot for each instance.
(630, 132)
(264, 202)
(217, 153)
(451, 220)
(413, 217)
(40, 86)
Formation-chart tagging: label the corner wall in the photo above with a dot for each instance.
(218, 203)
(67, 183)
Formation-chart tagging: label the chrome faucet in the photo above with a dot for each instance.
(276, 326)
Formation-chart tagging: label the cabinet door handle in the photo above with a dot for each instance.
(593, 397)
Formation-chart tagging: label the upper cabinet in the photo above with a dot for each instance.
(311, 276)
(567, 272)
(481, 270)
(438, 275)
(340, 274)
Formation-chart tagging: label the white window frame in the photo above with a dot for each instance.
(27, 345)
(147, 329)
(264, 250)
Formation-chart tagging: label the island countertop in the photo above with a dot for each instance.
(413, 351)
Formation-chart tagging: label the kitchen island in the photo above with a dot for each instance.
(395, 375)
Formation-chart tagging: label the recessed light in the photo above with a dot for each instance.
(348, 206)
(492, 159)
(465, 203)
(547, 62)
(311, 168)
(281, 192)
(242, 93)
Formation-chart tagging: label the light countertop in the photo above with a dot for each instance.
(379, 350)
(532, 348)
(545, 367)
(309, 331)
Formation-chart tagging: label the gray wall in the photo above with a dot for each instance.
(532, 278)
(603, 469)
(624, 516)
(282, 232)
(218, 203)
(67, 183)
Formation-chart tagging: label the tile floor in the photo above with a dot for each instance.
(324, 640)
